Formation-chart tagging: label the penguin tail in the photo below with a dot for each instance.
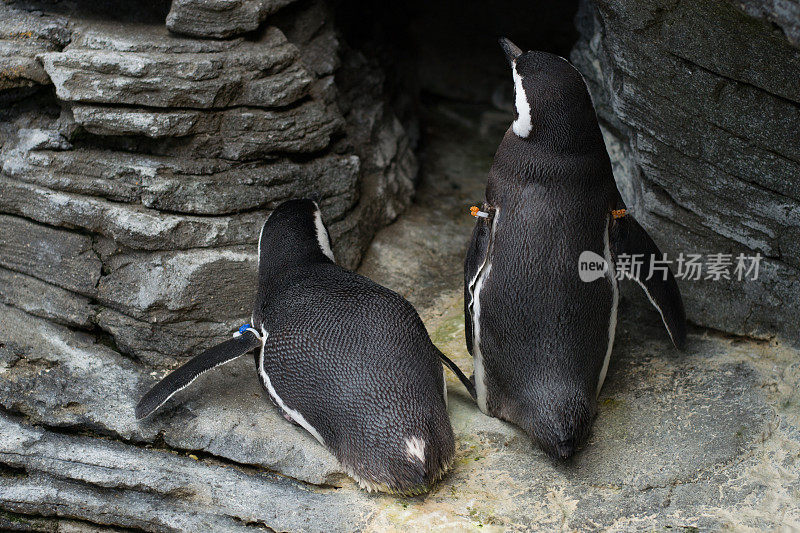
(395, 473)
(407, 457)
(186, 374)
(460, 375)
(561, 446)
(565, 448)
(559, 421)
(425, 460)
(441, 458)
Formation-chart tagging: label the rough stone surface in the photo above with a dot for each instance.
(143, 65)
(117, 484)
(201, 186)
(22, 37)
(783, 13)
(128, 225)
(61, 257)
(130, 201)
(233, 134)
(45, 300)
(133, 189)
(388, 165)
(707, 439)
(183, 292)
(220, 18)
(702, 122)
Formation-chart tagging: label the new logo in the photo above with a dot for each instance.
(591, 266)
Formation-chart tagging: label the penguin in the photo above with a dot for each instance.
(348, 360)
(539, 335)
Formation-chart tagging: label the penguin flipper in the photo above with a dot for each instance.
(627, 237)
(473, 264)
(460, 375)
(191, 370)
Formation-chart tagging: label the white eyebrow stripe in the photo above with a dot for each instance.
(522, 126)
(322, 236)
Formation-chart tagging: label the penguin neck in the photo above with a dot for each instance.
(535, 159)
(279, 264)
(560, 137)
(278, 267)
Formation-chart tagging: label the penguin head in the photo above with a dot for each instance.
(551, 102)
(293, 234)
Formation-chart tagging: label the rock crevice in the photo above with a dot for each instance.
(701, 120)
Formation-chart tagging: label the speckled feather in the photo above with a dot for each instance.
(544, 334)
(355, 360)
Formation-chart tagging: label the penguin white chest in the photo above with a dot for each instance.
(612, 319)
(476, 287)
(480, 371)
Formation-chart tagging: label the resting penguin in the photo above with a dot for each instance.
(541, 337)
(343, 357)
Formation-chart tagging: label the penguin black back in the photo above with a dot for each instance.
(346, 359)
(357, 364)
(349, 360)
(541, 336)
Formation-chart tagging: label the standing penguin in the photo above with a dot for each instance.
(345, 358)
(541, 337)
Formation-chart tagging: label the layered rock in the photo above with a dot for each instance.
(142, 64)
(233, 134)
(133, 192)
(165, 158)
(702, 121)
(23, 36)
(785, 14)
(220, 18)
(704, 439)
(130, 210)
(201, 186)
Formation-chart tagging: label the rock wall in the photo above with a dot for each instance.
(140, 159)
(143, 143)
(700, 105)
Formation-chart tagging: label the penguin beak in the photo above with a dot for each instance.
(512, 50)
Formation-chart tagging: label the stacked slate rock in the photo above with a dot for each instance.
(139, 161)
(700, 105)
(134, 202)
